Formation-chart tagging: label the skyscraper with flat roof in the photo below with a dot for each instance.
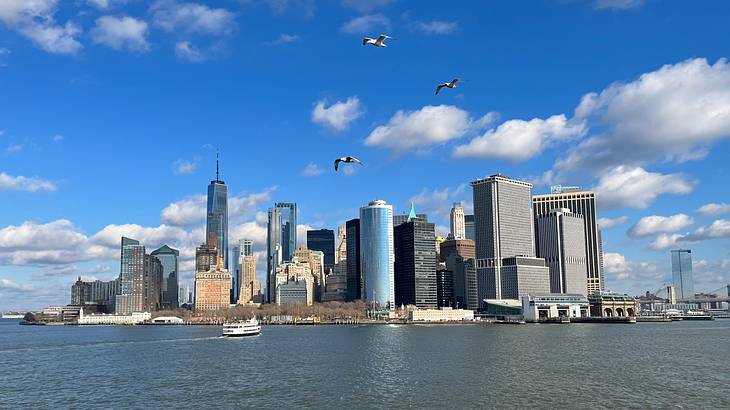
(377, 254)
(682, 278)
(131, 277)
(415, 264)
(323, 240)
(582, 203)
(469, 227)
(457, 221)
(169, 258)
(281, 241)
(562, 243)
(354, 276)
(217, 216)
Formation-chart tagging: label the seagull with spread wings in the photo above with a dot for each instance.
(377, 42)
(451, 84)
(347, 160)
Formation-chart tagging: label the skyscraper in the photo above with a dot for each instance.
(505, 239)
(152, 284)
(250, 291)
(445, 288)
(169, 258)
(354, 276)
(377, 255)
(415, 264)
(217, 217)
(469, 227)
(131, 277)
(458, 227)
(281, 241)
(561, 236)
(212, 279)
(682, 279)
(582, 203)
(323, 240)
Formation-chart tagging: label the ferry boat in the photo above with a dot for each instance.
(242, 328)
(12, 315)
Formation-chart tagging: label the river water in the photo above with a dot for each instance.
(664, 365)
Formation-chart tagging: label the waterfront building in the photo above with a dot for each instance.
(102, 293)
(464, 276)
(441, 315)
(206, 255)
(315, 259)
(415, 264)
(457, 222)
(299, 272)
(170, 260)
(561, 243)
(377, 254)
(323, 240)
(445, 288)
(583, 203)
(134, 318)
(469, 227)
(152, 284)
(217, 215)
(212, 285)
(354, 276)
(281, 241)
(250, 291)
(335, 287)
(296, 292)
(504, 240)
(462, 247)
(545, 306)
(682, 273)
(612, 304)
(131, 277)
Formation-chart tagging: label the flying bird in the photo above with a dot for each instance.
(347, 160)
(451, 84)
(377, 42)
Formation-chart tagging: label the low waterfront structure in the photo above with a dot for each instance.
(168, 320)
(134, 318)
(612, 304)
(440, 315)
(546, 306)
(501, 307)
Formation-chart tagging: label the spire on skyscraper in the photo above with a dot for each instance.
(217, 168)
(412, 214)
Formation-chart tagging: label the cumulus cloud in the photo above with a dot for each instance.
(9, 284)
(435, 26)
(654, 224)
(634, 187)
(184, 167)
(436, 203)
(26, 184)
(674, 114)
(186, 50)
(365, 24)
(35, 20)
(626, 275)
(121, 33)
(608, 223)
(338, 116)
(170, 15)
(312, 170)
(667, 241)
(717, 230)
(617, 4)
(431, 125)
(106, 4)
(714, 209)
(285, 38)
(191, 211)
(519, 140)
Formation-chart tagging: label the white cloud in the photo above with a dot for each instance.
(191, 210)
(608, 223)
(714, 209)
(57, 138)
(654, 224)
(339, 115)
(437, 203)
(365, 24)
(519, 140)
(667, 241)
(121, 33)
(285, 38)
(106, 4)
(9, 284)
(186, 50)
(634, 187)
(35, 20)
(674, 114)
(170, 15)
(618, 4)
(366, 6)
(27, 184)
(614, 262)
(184, 167)
(312, 170)
(717, 230)
(435, 26)
(431, 125)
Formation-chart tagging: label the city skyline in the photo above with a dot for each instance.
(656, 190)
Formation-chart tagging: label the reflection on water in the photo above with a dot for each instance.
(680, 364)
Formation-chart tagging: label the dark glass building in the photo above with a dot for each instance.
(169, 258)
(217, 217)
(469, 227)
(354, 279)
(415, 264)
(445, 288)
(323, 240)
(281, 241)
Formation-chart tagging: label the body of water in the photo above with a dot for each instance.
(665, 365)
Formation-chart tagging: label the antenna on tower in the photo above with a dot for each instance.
(217, 167)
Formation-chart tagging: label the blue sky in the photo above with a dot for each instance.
(112, 110)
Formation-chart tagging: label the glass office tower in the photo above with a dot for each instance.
(217, 217)
(323, 240)
(682, 273)
(281, 241)
(377, 256)
(170, 260)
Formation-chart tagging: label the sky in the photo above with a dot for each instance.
(111, 113)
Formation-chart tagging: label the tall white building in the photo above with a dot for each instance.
(561, 242)
(377, 254)
(505, 251)
(458, 226)
(582, 203)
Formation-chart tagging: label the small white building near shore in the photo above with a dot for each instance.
(441, 315)
(134, 318)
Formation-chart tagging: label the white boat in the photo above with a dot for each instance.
(249, 327)
(12, 316)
